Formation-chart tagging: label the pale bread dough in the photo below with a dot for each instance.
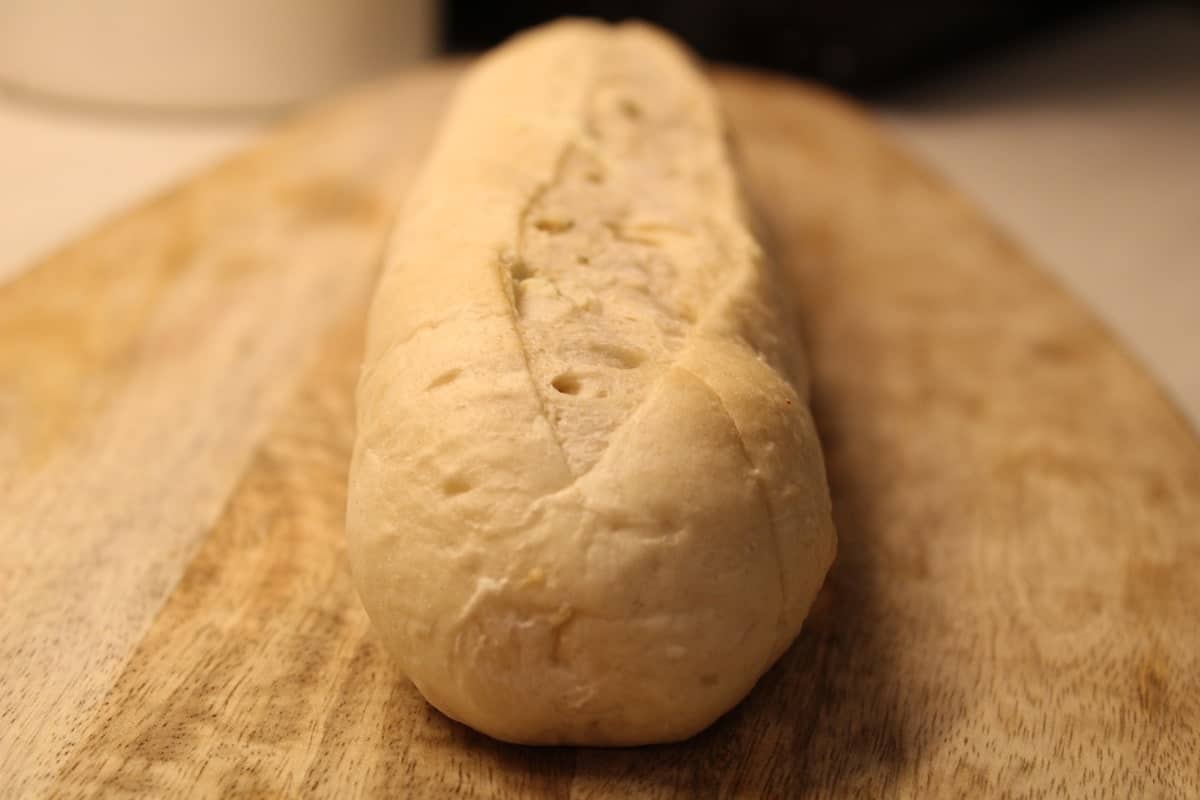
(587, 501)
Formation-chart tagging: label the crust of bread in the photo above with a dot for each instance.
(587, 502)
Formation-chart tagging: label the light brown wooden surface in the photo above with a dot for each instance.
(1013, 612)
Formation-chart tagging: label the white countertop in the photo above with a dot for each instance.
(1084, 144)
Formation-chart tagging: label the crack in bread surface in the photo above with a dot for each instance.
(617, 257)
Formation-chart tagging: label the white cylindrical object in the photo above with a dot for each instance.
(207, 54)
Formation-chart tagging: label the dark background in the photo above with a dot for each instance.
(857, 45)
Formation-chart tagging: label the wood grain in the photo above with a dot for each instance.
(1013, 612)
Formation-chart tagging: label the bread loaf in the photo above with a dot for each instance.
(587, 504)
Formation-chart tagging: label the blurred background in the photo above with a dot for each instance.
(856, 45)
(1074, 123)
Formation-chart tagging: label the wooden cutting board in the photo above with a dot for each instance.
(1013, 611)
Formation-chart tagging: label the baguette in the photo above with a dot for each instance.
(587, 503)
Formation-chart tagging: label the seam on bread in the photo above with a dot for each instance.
(763, 494)
(505, 272)
(548, 290)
